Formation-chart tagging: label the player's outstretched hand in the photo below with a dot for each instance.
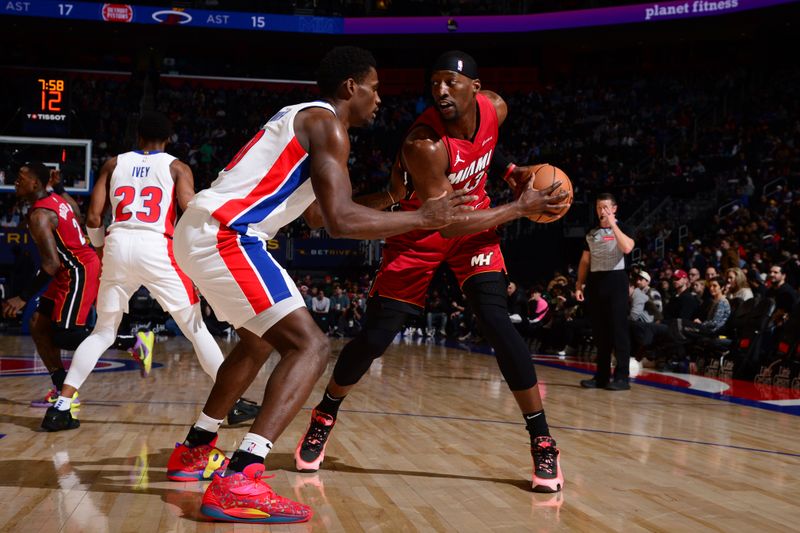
(445, 209)
(535, 202)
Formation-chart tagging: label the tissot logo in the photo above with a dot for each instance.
(171, 16)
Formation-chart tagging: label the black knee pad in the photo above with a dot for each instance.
(383, 322)
(69, 339)
(488, 298)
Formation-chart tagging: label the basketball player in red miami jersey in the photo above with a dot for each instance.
(69, 265)
(448, 148)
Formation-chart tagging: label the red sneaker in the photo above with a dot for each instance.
(244, 497)
(547, 475)
(310, 450)
(195, 463)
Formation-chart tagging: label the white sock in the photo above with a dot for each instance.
(63, 403)
(207, 423)
(255, 444)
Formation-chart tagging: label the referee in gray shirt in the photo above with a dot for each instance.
(602, 272)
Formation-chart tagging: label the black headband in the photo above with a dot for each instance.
(457, 61)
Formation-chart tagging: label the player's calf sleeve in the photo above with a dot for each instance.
(89, 351)
(190, 321)
(382, 325)
(487, 297)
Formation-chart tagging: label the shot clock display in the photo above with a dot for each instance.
(52, 95)
(48, 105)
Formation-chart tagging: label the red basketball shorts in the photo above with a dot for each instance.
(410, 261)
(72, 292)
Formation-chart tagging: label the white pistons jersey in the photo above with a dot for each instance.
(142, 192)
(267, 184)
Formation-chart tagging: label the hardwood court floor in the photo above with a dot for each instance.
(432, 441)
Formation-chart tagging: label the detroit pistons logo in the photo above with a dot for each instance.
(472, 172)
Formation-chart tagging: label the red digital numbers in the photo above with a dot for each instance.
(151, 203)
(51, 95)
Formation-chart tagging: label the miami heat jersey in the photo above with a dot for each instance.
(74, 286)
(469, 158)
(142, 192)
(410, 259)
(267, 184)
(71, 243)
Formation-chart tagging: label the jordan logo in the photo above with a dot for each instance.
(458, 158)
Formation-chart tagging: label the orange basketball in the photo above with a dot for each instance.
(544, 176)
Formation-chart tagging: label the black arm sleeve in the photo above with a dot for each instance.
(500, 163)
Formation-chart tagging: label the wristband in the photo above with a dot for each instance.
(97, 236)
(509, 170)
(41, 279)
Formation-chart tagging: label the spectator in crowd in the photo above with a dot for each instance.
(756, 284)
(320, 309)
(537, 315)
(436, 315)
(730, 255)
(785, 295)
(654, 305)
(11, 218)
(682, 305)
(638, 301)
(339, 304)
(698, 288)
(736, 287)
(537, 305)
(719, 311)
(306, 296)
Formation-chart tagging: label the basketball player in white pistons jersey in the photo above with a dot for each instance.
(296, 164)
(142, 188)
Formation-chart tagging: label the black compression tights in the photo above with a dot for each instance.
(382, 325)
(487, 297)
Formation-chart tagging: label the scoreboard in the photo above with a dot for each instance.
(201, 18)
(47, 110)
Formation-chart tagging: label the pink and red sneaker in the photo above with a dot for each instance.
(244, 497)
(310, 450)
(547, 475)
(195, 463)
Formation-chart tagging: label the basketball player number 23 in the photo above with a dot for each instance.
(151, 204)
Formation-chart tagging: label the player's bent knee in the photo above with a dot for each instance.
(40, 326)
(317, 351)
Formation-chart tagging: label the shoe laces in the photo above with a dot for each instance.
(277, 503)
(317, 433)
(544, 455)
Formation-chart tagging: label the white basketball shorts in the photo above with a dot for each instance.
(134, 257)
(243, 283)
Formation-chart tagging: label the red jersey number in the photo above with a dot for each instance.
(151, 204)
